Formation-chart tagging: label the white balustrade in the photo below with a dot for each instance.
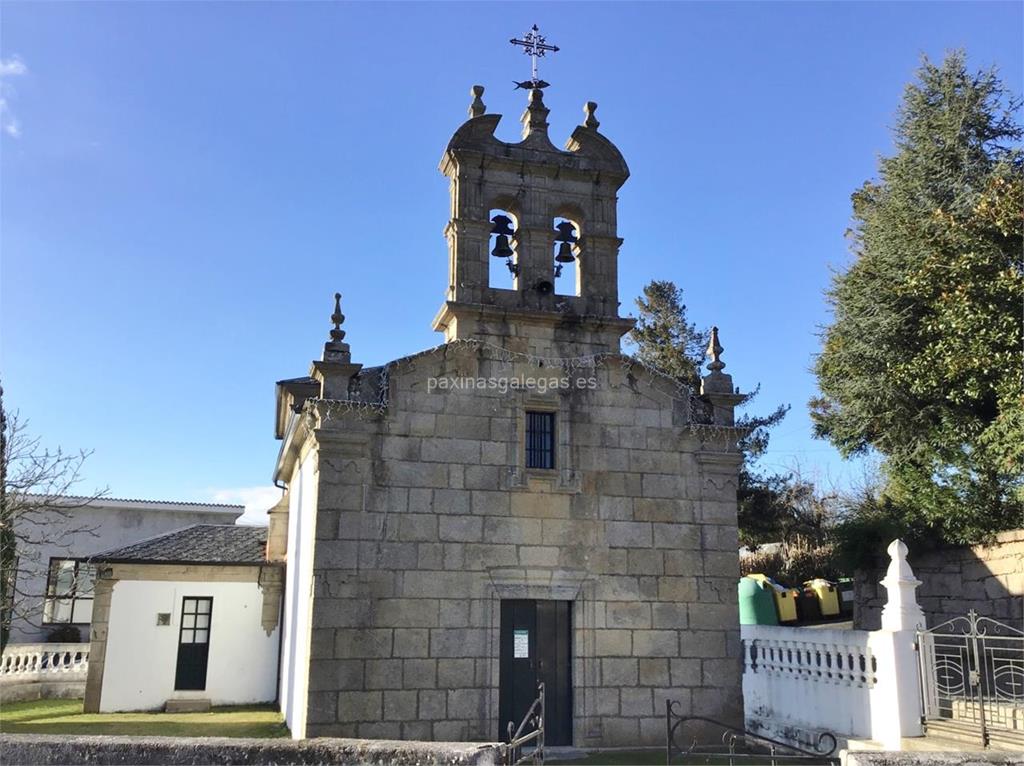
(808, 679)
(26, 662)
(853, 683)
(819, 656)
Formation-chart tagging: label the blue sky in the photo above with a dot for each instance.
(185, 185)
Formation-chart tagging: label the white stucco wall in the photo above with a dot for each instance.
(141, 656)
(298, 596)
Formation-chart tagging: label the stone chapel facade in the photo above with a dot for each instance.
(449, 545)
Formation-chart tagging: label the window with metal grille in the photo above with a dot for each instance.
(540, 440)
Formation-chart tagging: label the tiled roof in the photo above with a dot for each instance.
(197, 544)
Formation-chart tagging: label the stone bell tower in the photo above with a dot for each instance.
(506, 200)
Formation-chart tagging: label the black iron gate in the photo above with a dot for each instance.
(972, 680)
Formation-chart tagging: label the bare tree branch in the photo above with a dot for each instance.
(37, 508)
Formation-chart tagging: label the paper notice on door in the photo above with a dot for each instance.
(520, 644)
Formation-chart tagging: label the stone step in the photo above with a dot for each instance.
(928, 744)
(958, 731)
(969, 735)
(187, 706)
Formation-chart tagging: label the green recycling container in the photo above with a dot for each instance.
(757, 603)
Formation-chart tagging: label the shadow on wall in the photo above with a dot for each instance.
(988, 579)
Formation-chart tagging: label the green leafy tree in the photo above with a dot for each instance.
(666, 339)
(922, 362)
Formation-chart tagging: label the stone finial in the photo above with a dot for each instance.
(535, 118)
(334, 370)
(590, 121)
(477, 107)
(716, 386)
(715, 350)
(337, 334)
(901, 610)
(336, 349)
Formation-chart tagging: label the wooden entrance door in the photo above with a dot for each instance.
(193, 643)
(536, 646)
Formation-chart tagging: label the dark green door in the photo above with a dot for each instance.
(193, 643)
(535, 646)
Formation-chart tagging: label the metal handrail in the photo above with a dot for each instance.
(731, 736)
(516, 738)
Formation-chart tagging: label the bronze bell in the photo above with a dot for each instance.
(501, 247)
(502, 229)
(566, 237)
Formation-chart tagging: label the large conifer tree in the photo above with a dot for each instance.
(922, 362)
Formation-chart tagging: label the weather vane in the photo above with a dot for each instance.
(534, 45)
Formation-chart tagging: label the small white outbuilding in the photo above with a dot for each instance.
(186, 620)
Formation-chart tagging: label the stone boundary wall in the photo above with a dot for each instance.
(988, 579)
(12, 690)
(45, 749)
(894, 758)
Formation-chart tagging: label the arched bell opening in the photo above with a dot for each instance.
(566, 256)
(503, 263)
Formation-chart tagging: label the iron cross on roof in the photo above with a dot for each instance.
(534, 45)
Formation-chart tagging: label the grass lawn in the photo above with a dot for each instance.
(66, 717)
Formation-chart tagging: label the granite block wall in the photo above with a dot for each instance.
(428, 518)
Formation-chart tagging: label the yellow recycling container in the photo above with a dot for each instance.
(827, 595)
(785, 598)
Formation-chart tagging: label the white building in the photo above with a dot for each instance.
(185, 620)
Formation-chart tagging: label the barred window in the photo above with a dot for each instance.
(69, 591)
(540, 440)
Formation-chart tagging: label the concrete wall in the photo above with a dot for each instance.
(427, 519)
(798, 682)
(103, 525)
(895, 758)
(140, 656)
(988, 579)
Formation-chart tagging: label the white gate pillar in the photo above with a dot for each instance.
(896, 698)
